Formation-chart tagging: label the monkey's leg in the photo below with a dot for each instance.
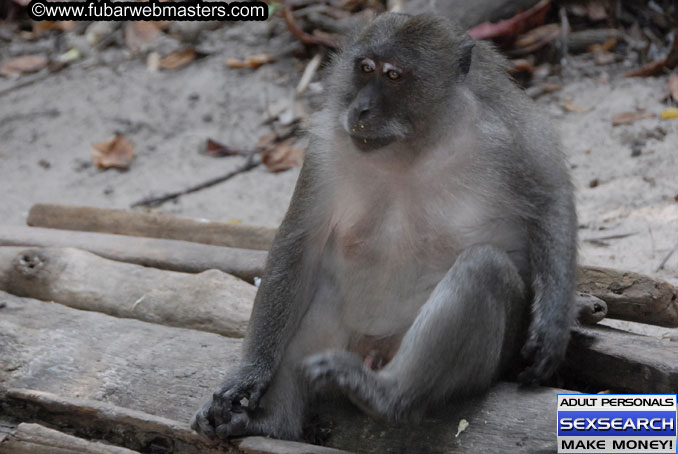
(282, 408)
(456, 343)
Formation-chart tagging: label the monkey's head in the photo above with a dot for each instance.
(389, 84)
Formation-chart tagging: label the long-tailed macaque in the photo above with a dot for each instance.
(429, 247)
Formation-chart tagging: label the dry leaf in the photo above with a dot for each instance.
(596, 11)
(626, 118)
(24, 64)
(219, 150)
(604, 58)
(116, 152)
(654, 68)
(463, 425)
(177, 59)
(670, 113)
(140, 33)
(673, 86)
(253, 61)
(570, 107)
(282, 157)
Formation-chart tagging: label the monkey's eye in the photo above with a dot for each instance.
(367, 66)
(393, 74)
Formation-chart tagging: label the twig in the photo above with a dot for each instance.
(155, 201)
(564, 32)
(602, 239)
(301, 35)
(26, 82)
(309, 72)
(666, 259)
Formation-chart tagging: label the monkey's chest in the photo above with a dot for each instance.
(386, 269)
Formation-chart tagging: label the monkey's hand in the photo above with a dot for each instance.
(544, 350)
(226, 414)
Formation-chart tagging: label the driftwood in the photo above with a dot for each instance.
(629, 296)
(210, 301)
(36, 439)
(172, 255)
(632, 296)
(152, 225)
(168, 372)
(90, 417)
(590, 310)
(623, 362)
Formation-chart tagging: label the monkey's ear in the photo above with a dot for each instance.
(466, 52)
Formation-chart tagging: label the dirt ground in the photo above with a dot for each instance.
(627, 205)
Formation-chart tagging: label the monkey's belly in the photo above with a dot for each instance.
(383, 300)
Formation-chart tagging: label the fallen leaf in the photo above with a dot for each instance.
(463, 425)
(569, 106)
(537, 37)
(153, 61)
(177, 59)
(673, 86)
(282, 157)
(670, 113)
(604, 58)
(219, 150)
(253, 61)
(70, 56)
(626, 118)
(596, 11)
(22, 65)
(654, 68)
(606, 46)
(140, 33)
(116, 152)
(508, 29)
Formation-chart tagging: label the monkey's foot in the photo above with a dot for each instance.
(347, 371)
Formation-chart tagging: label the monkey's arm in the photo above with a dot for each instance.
(283, 296)
(553, 255)
(280, 303)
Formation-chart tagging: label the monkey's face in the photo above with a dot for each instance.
(391, 81)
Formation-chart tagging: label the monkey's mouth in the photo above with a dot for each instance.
(370, 143)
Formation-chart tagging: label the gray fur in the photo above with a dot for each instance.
(442, 234)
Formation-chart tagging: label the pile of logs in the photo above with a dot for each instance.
(116, 325)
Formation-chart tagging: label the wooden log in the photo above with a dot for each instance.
(631, 296)
(153, 225)
(94, 418)
(36, 439)
(172, 255)
(210, 301)
(590, 310)
(623, 362)
(168, 372)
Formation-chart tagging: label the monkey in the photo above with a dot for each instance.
(429, 246)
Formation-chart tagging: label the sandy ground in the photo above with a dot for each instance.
(47, 128)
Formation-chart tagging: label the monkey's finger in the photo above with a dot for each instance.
(255, 397)
(201, 424)
(235, 428)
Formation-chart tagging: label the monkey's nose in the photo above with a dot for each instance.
(363, 113)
